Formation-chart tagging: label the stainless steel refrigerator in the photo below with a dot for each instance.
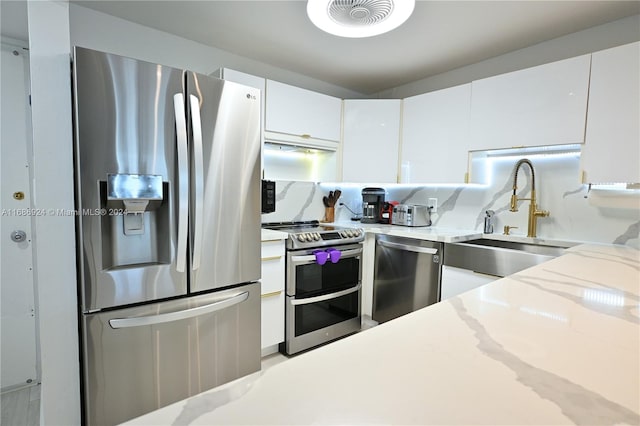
(168, 197)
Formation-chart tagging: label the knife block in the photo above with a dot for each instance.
(329, 214)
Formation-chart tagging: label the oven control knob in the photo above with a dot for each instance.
(309, 237)
(343, 234)
(316, 236)
(306, 236)
(301, 238)
(350, 233)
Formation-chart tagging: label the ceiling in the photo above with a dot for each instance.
(438, 37)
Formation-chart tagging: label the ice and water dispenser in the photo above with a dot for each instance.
(135, 220)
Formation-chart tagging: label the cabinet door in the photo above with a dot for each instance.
(273, 265)
(301, 112)
(543, 105)
(371, 140)
(272, 319)
(456, 281)
(435, 136)
(612, 149)
(243, 78)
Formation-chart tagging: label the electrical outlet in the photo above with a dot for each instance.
(433, 203)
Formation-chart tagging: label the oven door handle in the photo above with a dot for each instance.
(309, 300)
(312, 257)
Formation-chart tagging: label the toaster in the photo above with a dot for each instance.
(411, 215)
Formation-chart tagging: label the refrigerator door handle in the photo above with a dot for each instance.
(183, 181)
(198, 170)
(179, 315)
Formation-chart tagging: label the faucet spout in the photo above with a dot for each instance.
(534, 213)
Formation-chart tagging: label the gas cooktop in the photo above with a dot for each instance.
(310, 234)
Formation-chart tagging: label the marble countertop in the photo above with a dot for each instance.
(270, 235)
(431, 233)
(451, 235)
(558, 343)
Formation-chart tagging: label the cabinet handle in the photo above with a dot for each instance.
(271, 241)
(266, 259)
(305, 136)
(274, 293)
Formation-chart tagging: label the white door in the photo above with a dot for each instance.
(18, 334)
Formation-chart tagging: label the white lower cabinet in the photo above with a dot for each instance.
(273, 262)
(456, 281)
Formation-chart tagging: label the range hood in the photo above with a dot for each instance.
(303, 142)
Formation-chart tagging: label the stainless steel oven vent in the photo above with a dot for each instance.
(360, 12)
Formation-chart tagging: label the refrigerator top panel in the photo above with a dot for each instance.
(127, 179)
(224, 122)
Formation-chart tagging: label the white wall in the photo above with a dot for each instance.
(53, 235)
(99, 31)
(600, 37)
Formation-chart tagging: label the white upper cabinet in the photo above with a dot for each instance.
(243, 78)
(543, 105)
(435, 136)
(302, 113)
(371, 140)
(612, 149)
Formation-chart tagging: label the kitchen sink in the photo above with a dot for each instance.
(499, 258)
(553, 251)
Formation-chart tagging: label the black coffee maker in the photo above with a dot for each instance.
(372, 201)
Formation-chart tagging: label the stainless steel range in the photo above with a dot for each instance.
(312, 234)
(323, 283)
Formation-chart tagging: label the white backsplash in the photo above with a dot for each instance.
(558, 190)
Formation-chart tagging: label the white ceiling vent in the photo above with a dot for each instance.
(359, 18)
(360, 12)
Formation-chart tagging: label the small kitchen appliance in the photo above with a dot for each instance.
(387, 211)
(268, 196)
(323, 283)
(411, 215)
(372, 202)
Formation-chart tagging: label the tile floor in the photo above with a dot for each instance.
(271, 360)
(21, 407)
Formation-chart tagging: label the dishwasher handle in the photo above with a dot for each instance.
(407, 247)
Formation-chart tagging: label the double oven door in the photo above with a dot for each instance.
(323, 300)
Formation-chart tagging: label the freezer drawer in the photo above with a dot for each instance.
(406, 276)
(140, 359)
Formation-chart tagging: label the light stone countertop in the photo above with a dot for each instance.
(558, 343)
(271, 235)
(431, 233)
(451, 235)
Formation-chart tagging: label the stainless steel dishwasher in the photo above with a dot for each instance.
(406, 276)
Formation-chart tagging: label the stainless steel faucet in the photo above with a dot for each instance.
(534, 213)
